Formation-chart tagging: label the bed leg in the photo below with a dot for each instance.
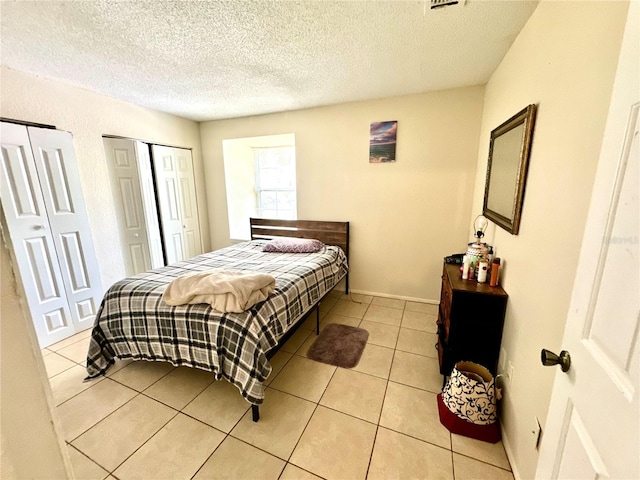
(346, 285)
(255, 412)
(318, 319)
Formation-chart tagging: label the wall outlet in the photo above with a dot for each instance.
(509, 373)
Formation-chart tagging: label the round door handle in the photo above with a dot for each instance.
(135, 235)
(548, 359)
(39, 227)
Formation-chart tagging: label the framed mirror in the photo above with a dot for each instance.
(507, 170)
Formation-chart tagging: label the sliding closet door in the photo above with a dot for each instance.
(127, 195)
(188, 202)
(173, 169)
(44, 216)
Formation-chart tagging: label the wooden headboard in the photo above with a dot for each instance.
(329, 233)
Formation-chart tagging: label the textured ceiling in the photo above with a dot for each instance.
(207, 60)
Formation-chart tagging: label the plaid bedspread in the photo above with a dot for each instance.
(134, 322)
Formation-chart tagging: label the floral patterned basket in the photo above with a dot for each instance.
(467, 405)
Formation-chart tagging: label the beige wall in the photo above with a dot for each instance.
(88, 116)
(564, 60)
(405, 216)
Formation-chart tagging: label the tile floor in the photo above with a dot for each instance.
(148, 420)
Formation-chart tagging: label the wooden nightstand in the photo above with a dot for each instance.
(470, 321)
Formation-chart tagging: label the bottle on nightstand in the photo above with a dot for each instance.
(495, 268)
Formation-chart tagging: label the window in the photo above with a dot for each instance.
(276, 182)
(260, 177)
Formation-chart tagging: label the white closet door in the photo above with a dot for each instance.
(26, 221)
(60, 183)
(123, 164)
(177, 202)
(169, 203)
(28, 227)
(149, 204)
(188, 202)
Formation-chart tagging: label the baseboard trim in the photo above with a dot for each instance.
(397, 297)
(509, 451)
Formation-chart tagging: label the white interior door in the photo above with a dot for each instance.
(188, 202)
(169, 203)
(122, 158)
(28, 227)
(46, 220)
(173, 169)
(593, 422)
(63, 198)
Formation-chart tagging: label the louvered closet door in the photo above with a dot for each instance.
(33, 248)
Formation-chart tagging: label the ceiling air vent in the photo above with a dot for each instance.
(446, 3)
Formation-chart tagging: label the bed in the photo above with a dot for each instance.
(134, 322)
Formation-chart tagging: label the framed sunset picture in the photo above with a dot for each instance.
(382, 142)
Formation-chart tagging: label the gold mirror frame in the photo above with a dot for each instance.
(509, 151)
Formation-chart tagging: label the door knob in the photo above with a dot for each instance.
(39, 227)
(549, 358)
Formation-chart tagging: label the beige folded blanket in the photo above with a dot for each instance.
(224, 290)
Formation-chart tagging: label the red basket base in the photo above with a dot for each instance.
(486, 433)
